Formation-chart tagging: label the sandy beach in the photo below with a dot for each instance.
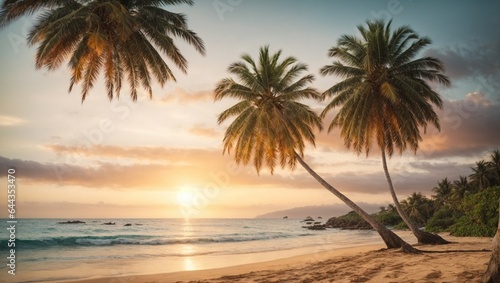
(465, 260)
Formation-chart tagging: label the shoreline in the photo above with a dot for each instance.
(368, 263)
(204, 274)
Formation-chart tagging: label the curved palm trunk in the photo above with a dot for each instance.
(391, 240)
(422, 236)
(492, 274)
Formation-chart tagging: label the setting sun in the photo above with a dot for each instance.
(185, 197)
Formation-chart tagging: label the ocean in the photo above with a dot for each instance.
(47, 251)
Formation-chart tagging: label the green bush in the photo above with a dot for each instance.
(388, 218)
(480, 217)
(442, 219)
(401, 226)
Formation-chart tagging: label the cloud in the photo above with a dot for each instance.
(151, 153)
(469, 127)
(102, 175)
(151, 168)
(204, 131)
(9, 121)
(181, 96)
(471, 59)
(474, 61)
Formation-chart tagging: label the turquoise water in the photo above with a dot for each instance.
(48, 251)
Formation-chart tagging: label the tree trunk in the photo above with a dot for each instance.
(492, 274)
(422, 236)
(391, 240)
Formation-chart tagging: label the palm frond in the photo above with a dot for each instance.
(384, 95)
(270, 125)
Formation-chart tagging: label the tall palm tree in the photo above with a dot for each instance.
(418, 207)
(121, 38)
(481, 176)
(384, 95)
(271, 125)
(443, 192)
(494, 165)
(461, 188)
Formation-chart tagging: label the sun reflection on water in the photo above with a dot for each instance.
(189, 264)
(188, 250)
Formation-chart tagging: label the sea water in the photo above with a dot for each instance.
(48, 251)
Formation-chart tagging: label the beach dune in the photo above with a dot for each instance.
(465, 260)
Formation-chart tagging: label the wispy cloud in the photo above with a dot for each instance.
(8, 121)
(204, 131)
(182, 96)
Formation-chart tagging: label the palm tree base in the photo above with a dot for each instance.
(427, 238)
(393, 241)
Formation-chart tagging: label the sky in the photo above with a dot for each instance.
(162, 157)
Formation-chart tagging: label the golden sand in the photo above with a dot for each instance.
(465, 260)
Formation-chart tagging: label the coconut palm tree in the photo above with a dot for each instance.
(494, 165)
(481, 176)
(418, 207)
(124, 39)
(461, 188)
(270, 125)
(443, 192)
(384, 95)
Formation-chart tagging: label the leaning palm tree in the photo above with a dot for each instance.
(271, 125)
(124, 39)
(384, 95)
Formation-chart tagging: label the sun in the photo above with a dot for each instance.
(185, 197)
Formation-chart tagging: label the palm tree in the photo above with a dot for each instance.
(481, 176)
(418, 207)
(121, 38)
(461, 188)
(384, 95)
(494, 165)
(271, 125)
(443, 192)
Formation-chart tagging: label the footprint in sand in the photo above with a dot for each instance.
(433, 275)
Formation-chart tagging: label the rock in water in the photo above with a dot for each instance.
(72, 222)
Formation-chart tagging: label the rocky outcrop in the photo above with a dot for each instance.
(349, 221)
(315, 227)
(72, 222)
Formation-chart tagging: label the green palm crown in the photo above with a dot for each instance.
(270, 123)
(118, 37)
(384, 91)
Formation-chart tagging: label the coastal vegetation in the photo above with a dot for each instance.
(473, 212)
